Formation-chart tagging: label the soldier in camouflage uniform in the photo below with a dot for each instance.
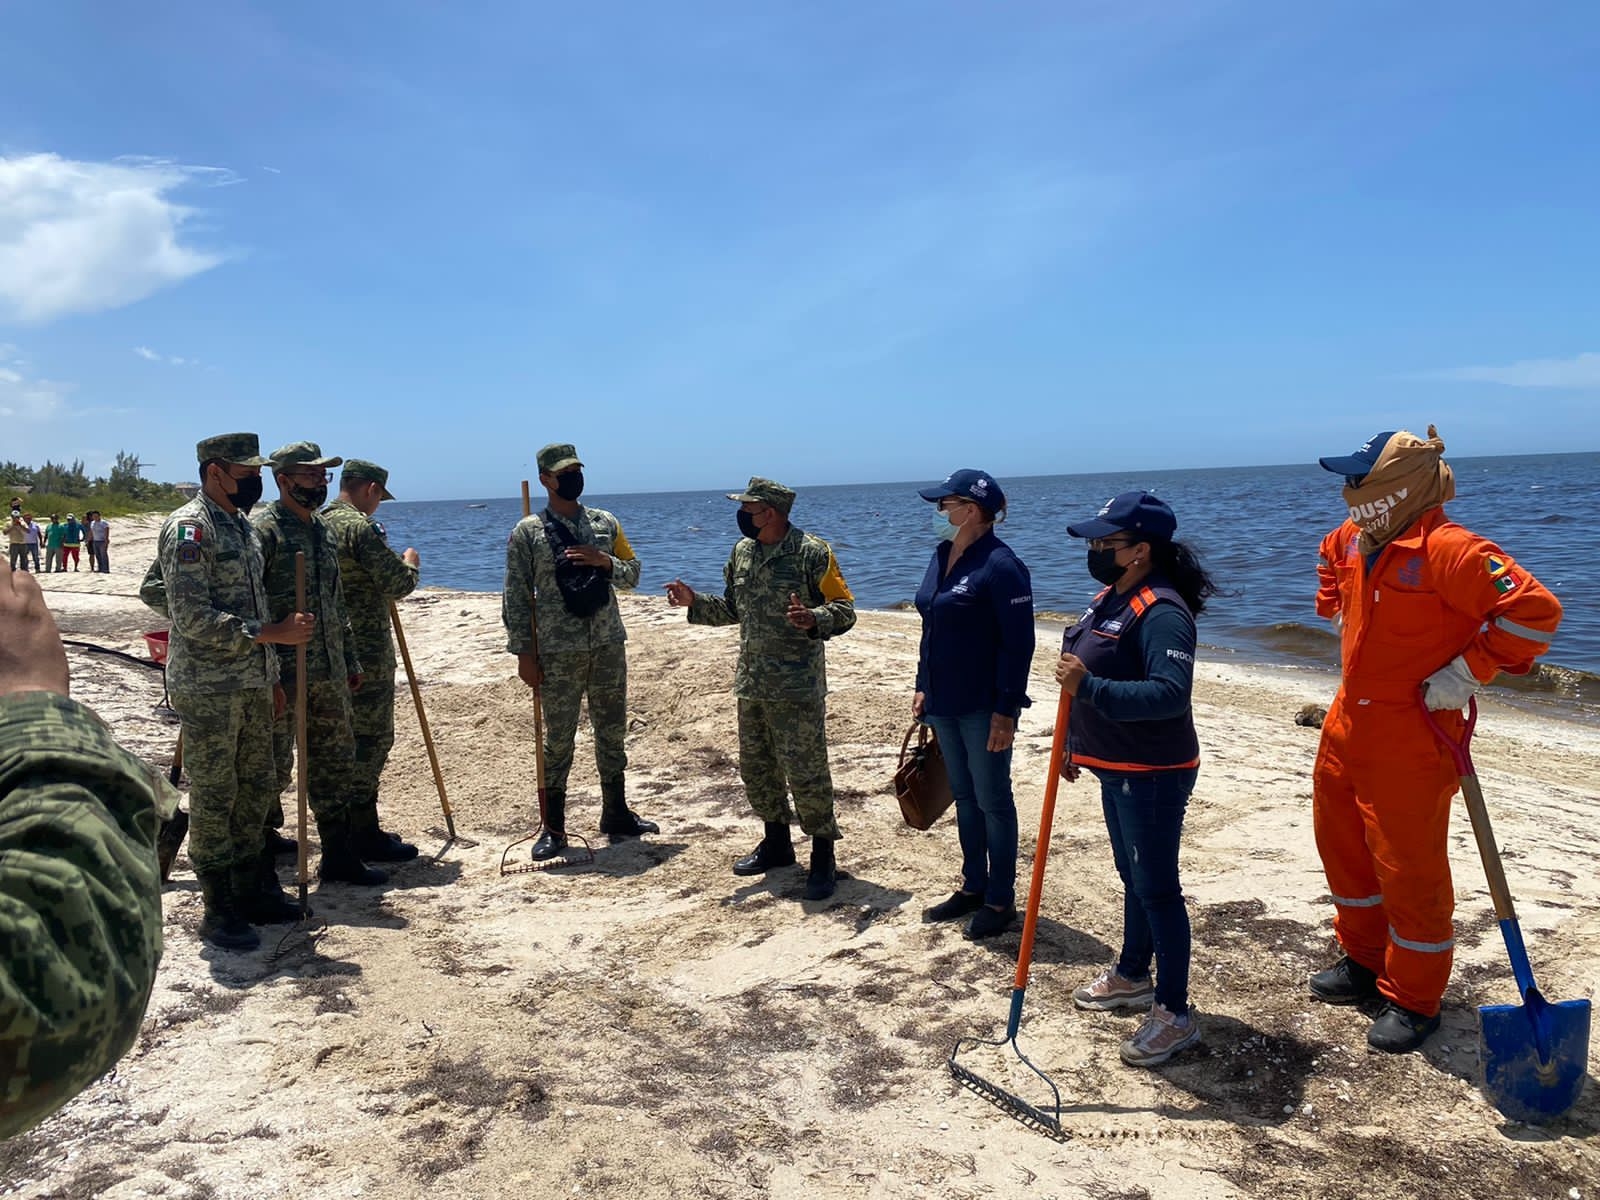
(289, 525)
(580, 652)
(80, 898)
(222, 679)
(784, 590)
(374, 576)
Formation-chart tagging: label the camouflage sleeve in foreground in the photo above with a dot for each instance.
(80, 902)
(153, 589)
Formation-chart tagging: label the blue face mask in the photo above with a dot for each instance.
(942, 529)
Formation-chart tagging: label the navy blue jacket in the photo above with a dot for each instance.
(1133, 708)
(977, 631)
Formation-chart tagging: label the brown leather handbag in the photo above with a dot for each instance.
(921, 782)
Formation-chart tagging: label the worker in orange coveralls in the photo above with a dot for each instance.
(1422, 605)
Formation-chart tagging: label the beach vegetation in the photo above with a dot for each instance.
(62, 488)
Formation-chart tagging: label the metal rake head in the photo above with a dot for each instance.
(577, 853)
(1035, 1118)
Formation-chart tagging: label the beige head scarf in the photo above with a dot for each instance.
(1409, 478)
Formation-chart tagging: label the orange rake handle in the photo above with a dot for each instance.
(1030, 923)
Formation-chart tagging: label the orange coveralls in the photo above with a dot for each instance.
(1382, 784)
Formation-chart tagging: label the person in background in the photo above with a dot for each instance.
(80, 898)
(17, 535)
(71, 539)
(1128, 663)
(1427, 612)
(52, 543)
(784, 589)
(99, 542)
(35, 536)
(976, 602)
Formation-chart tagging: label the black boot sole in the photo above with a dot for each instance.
(744, 868)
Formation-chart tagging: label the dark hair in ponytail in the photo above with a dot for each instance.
(1181, 565)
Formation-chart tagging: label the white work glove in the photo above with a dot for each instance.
(1451, 686)
(1337, 621)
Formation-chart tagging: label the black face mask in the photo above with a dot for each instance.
(747, 524)
(245, 493)
(1103, 565)
(569, 485)
(309, 497)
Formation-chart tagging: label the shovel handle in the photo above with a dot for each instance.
(1478, 811)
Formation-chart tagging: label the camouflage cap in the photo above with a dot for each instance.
(558, 456)
(302, 454)
(360, 468)
(765, 491)
(241, 449)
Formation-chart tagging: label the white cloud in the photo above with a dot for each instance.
(150, 355)
(1580, 371)
(79, 237)
(26, 400)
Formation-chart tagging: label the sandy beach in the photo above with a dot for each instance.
(651, 1026)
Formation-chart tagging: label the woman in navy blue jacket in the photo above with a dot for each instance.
(976, 602)
(1129, 665)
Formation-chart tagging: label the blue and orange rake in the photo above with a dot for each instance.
(1046, 1120)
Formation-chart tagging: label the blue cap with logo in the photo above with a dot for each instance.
(1131, 512)
(1362, 461)
(969, 484)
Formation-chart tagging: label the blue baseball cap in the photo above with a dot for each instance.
(1131, 512)
(1362, 461)
(977, 486)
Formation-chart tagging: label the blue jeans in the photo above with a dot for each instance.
(1144, 815)
(986, 813)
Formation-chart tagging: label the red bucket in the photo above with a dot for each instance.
(158, 644)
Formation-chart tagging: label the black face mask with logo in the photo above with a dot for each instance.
(747, 524)
(1103, 566)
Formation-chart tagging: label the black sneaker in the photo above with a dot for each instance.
(958, 906)
(987, 922)
(1346, 982)
(1399, 1030)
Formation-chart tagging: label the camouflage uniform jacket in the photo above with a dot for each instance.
(208, 561)
(776, 660)
(331, 652)
(153, 588)
(373, 575)
(80, 901)
(531, 568)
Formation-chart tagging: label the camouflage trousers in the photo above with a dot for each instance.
(227, 750)
(783, 750)
(372, 723)
(330, 750)
(602, 675)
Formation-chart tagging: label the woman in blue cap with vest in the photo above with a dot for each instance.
(1128, 663)
(976, 602)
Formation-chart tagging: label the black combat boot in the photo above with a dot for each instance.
(340, 861)
(1346, 982)
(222, 925)
(258, 895)
(820, 881)
(1399, 1030)
(168, 838)
(553, 840)
(372, 843)
(616, 818)
(776, 850)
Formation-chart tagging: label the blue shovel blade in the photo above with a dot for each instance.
(1523, 1083)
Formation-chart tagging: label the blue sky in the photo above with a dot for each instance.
(825, 242)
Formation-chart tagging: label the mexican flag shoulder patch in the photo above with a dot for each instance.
(1505, 582)
(189, 531)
